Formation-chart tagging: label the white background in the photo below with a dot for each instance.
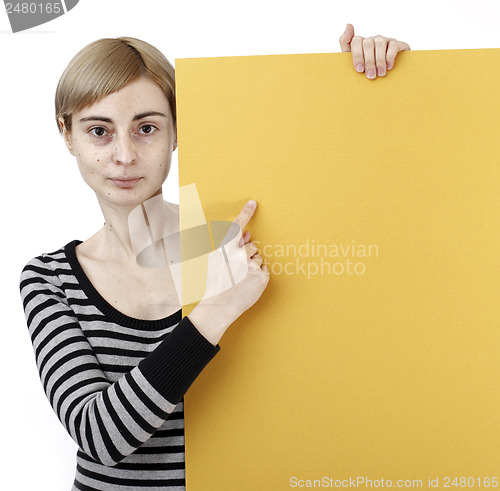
(45, 203)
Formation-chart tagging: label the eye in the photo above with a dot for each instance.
(147, 129)
(98, 131)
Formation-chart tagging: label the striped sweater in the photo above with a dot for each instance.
(116, 383)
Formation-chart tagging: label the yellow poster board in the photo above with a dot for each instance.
(374, 353)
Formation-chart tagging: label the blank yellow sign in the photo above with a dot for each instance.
(374, 352)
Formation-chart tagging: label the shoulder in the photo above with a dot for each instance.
(43, 289)
(45, 268)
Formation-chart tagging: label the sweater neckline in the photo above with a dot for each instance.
(104, 306)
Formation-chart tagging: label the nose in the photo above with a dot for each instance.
(124, 152)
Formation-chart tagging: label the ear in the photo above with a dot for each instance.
(175, 141)
(66, 135)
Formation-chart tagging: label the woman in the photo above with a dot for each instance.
(114, 354)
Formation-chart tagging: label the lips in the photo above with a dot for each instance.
(125, 182)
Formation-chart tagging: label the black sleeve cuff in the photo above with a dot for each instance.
(174, 365)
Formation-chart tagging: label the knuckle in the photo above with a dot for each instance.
(367, 43)
(250, 249)
(356, 41)
(379, 39)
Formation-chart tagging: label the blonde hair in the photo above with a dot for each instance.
(104, 67)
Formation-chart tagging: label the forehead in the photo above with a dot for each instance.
(141, 95)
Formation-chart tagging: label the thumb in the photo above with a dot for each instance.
(402, 46)
(345, 39)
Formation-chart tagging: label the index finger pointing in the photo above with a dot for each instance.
(245, 214)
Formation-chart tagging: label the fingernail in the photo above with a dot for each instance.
(370, 74)
(381, 72)
(359, 68)
(389, 66)
(252, 203)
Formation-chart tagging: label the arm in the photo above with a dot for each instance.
(107, 420)
(214, 314)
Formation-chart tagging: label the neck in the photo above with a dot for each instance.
(113, 239)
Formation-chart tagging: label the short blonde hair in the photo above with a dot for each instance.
(104, 67)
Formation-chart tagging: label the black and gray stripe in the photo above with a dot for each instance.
(116, 383)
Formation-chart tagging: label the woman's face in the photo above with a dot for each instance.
(123, 143)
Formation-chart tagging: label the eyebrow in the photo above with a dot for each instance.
(135, 118)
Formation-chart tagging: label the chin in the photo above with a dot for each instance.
(125, 199)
